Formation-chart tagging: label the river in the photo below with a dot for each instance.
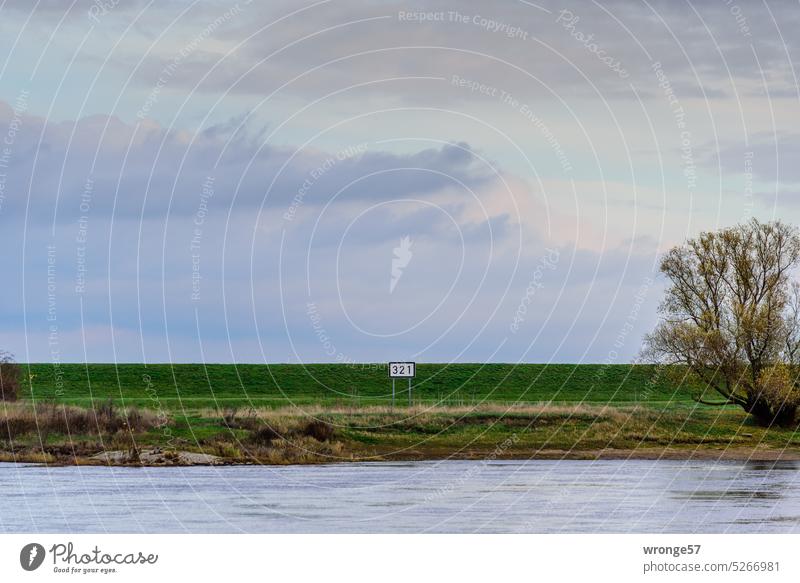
(434, 496)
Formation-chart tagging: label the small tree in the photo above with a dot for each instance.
(10, 374)
(731, 316)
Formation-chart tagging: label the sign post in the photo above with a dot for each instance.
(402, 370)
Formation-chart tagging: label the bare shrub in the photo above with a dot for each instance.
(10, 375)
(229, 417)
(232, 420)
(264, 435)
(107, 418)
(319, 430)
(13, 427)
(46, 418)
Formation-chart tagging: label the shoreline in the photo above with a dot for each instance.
(194, 459)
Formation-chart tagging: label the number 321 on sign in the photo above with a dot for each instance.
(402, 370)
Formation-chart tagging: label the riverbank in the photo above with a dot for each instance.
(107, 435)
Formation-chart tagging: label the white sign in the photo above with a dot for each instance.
(402, 370)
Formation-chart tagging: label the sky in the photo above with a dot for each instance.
(335, 181)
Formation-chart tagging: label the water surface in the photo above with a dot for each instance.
(436, 496)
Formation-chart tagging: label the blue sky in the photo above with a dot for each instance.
(222, 181)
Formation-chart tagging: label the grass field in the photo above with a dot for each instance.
(72, 413)
(193, 386)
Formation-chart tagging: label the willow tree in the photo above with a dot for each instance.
(731, 317)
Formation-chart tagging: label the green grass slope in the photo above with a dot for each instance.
(191, 386)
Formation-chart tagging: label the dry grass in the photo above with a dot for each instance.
(241, 418)
(27, 457)
(22, 418)
(274, 436)
(319, 434)
(268, 427)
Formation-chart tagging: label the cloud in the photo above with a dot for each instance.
(146, 170)
(704, 47)
(771, 157)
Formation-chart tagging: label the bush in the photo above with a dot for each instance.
(229, 417)
(10, 374)
(780, 393)
(45, 418)
(13, 427)
(319, 430)
(232, 420)
(264, 435)
(107, 419)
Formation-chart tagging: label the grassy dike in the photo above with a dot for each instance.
(182, 414)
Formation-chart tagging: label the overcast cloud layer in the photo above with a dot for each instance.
(441, 181)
